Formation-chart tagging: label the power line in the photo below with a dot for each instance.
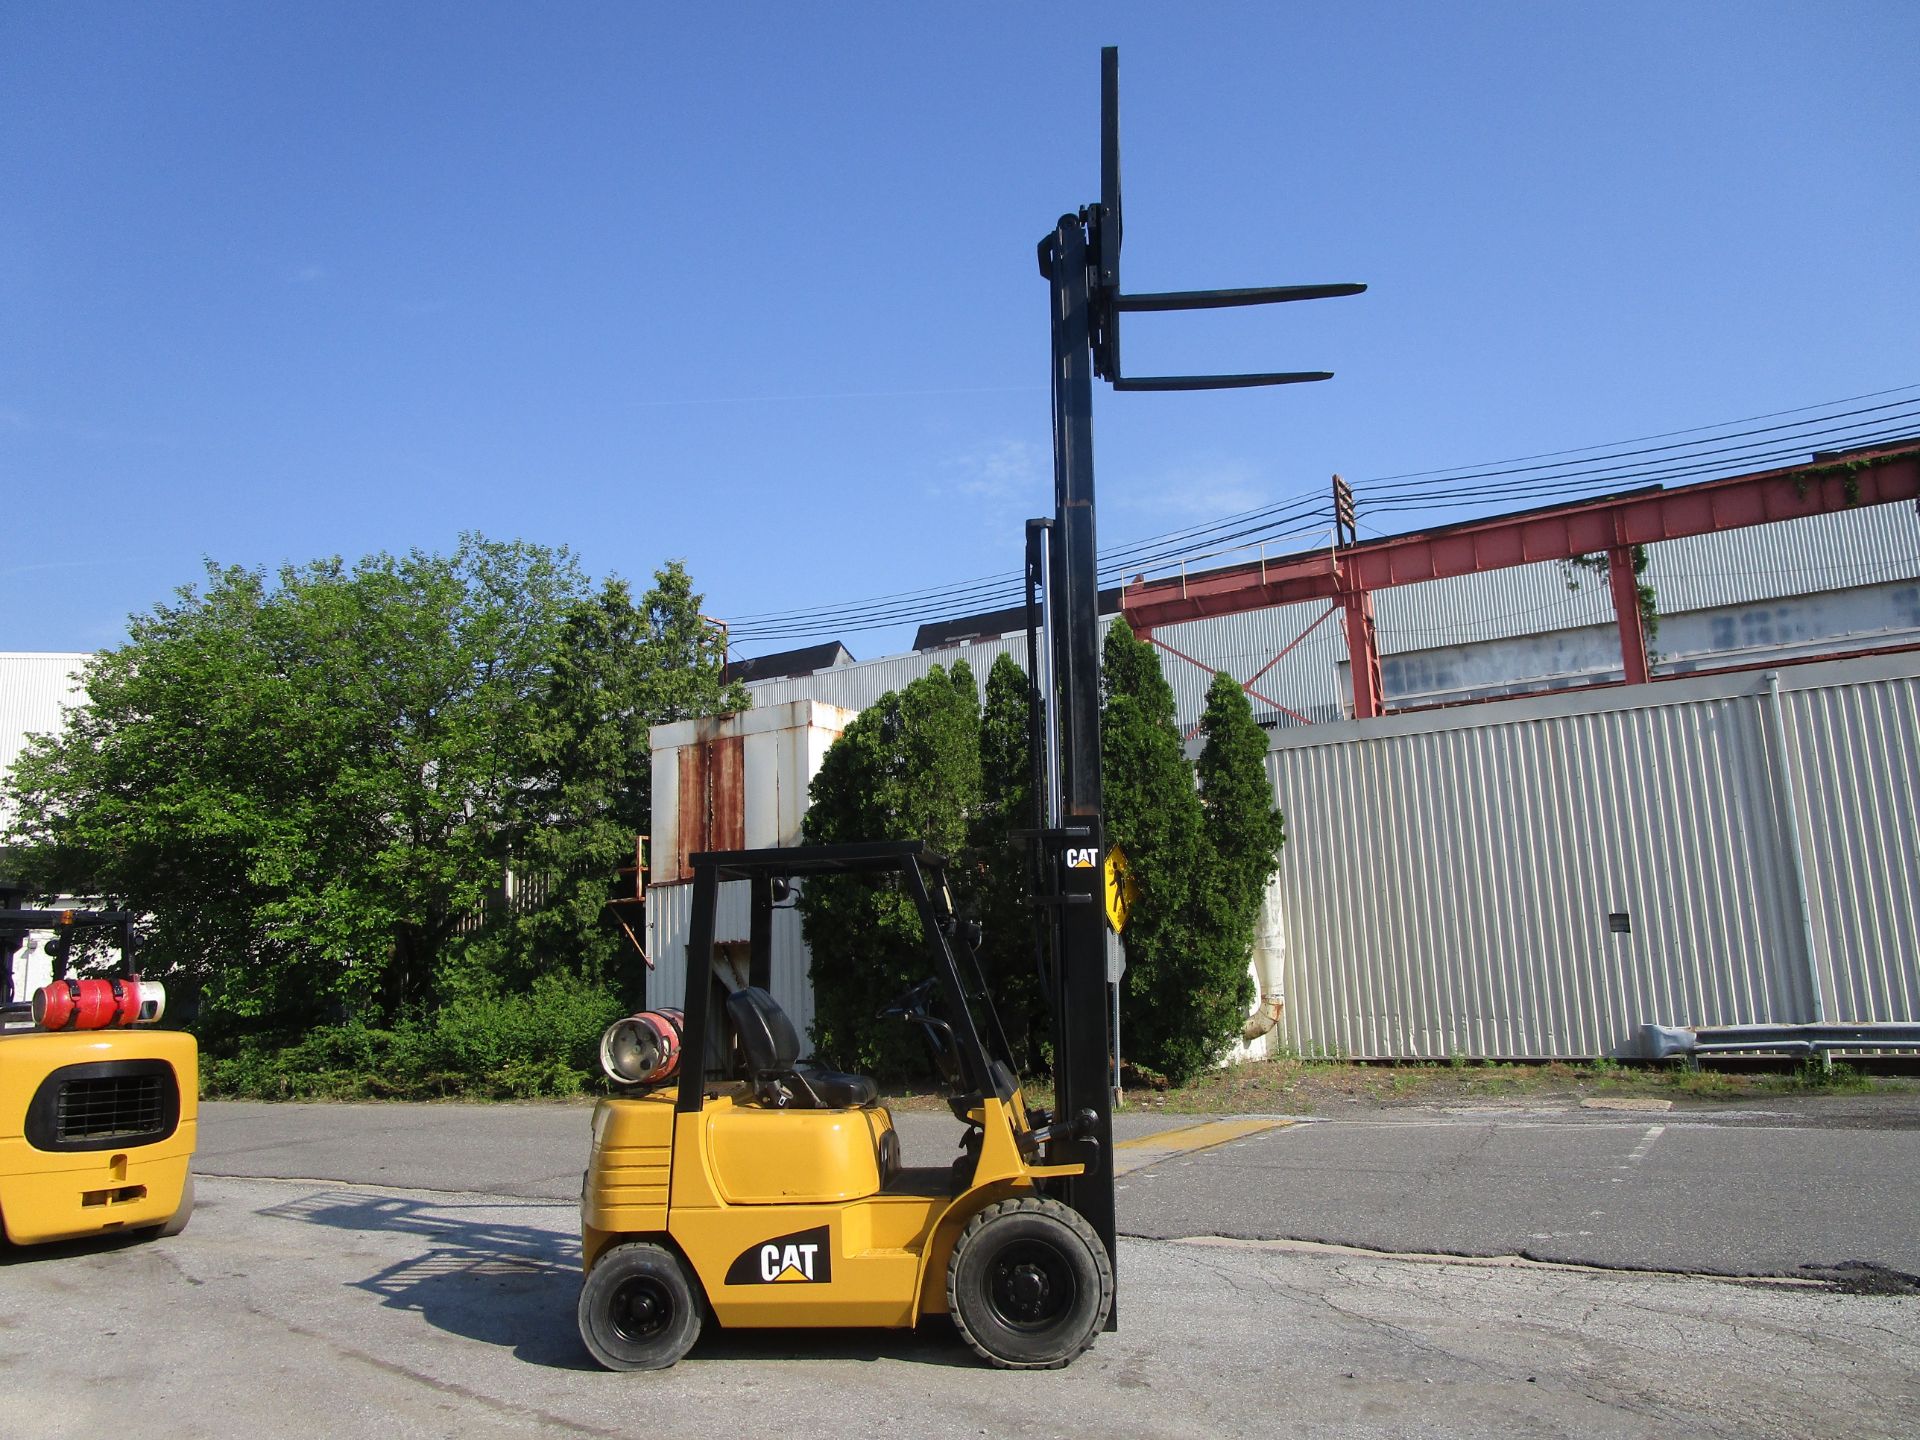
(1906, 411)
(1642, 439)
(1598, 469)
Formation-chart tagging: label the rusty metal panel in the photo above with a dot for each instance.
(726, 795)
(692, 811)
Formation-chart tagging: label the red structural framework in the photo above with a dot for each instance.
(1348, 572)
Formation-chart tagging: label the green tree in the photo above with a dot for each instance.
(1243, 824)
(907, 768)
(1000, 870)
(312, 786)
(618, 669)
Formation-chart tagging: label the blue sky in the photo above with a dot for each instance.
(754, 286)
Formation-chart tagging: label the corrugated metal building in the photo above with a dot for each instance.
(1542, 876)
(34, 685)
(1539, 876)
(730, 783)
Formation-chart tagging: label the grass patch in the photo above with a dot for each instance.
(1300, 1085)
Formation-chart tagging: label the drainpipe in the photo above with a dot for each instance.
(1783, 774)
(1270, 968)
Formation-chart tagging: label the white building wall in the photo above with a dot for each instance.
(782, 747)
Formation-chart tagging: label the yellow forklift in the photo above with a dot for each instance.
(768, 1191)
(782, 1201)
(97, 1112)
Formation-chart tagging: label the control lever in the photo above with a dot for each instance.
(1080, 1127)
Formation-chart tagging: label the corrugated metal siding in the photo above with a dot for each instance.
(1858, 773)
(1449, 877)
(1869, 546)
(669, 911)
(33, 687)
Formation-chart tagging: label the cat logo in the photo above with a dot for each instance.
(804, 1257)
(1083, 857)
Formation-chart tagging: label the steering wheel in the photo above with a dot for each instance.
(911, 1006)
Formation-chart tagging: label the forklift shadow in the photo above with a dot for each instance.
(480, 1276)
(516, 1286)
(933, 1342)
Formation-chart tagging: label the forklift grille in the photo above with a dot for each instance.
(104, 1106)
(121, 1106)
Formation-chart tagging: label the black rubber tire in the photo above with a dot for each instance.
(638, 1309)
(1029, 1284)
(181, 1216)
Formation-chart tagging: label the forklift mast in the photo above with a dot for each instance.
(1080, 260)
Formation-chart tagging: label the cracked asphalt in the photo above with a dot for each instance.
(403, 1271)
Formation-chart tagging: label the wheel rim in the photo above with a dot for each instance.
(639, 1310)
(1031, 1285)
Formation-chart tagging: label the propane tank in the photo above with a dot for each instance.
(98, 1004)
(643, 1049)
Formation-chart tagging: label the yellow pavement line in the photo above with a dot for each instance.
(1144, 1150)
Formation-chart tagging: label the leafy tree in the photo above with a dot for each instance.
(907, 768)
(312, 786)
(618, 669)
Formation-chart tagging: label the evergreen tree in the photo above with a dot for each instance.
(1186, 991)
(1001, 869)
(1246, 829)
(907, 768)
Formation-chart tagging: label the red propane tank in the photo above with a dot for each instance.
(643, 1049)
(97, 1004)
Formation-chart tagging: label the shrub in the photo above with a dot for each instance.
(544, 1043)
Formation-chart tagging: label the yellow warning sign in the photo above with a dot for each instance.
(1122, 888)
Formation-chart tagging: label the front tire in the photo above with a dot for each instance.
(638, 1310)
(1029, 1284)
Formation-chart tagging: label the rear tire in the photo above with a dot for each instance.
(1029, 1284)
(638, 1309)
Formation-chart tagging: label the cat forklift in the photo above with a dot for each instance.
(784, 1202)
(97, 1117)
(732, 1180)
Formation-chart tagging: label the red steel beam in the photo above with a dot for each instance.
(1586, 527)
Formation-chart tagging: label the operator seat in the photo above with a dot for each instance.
(780, 1078)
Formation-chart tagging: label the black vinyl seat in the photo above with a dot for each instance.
(780, 1077)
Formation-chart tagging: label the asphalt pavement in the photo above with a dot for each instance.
(1769, 1190)
(397, 1271)
(294, 1309)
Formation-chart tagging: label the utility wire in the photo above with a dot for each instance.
(1611, 467)
(1642, 439)
(1565, 474)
